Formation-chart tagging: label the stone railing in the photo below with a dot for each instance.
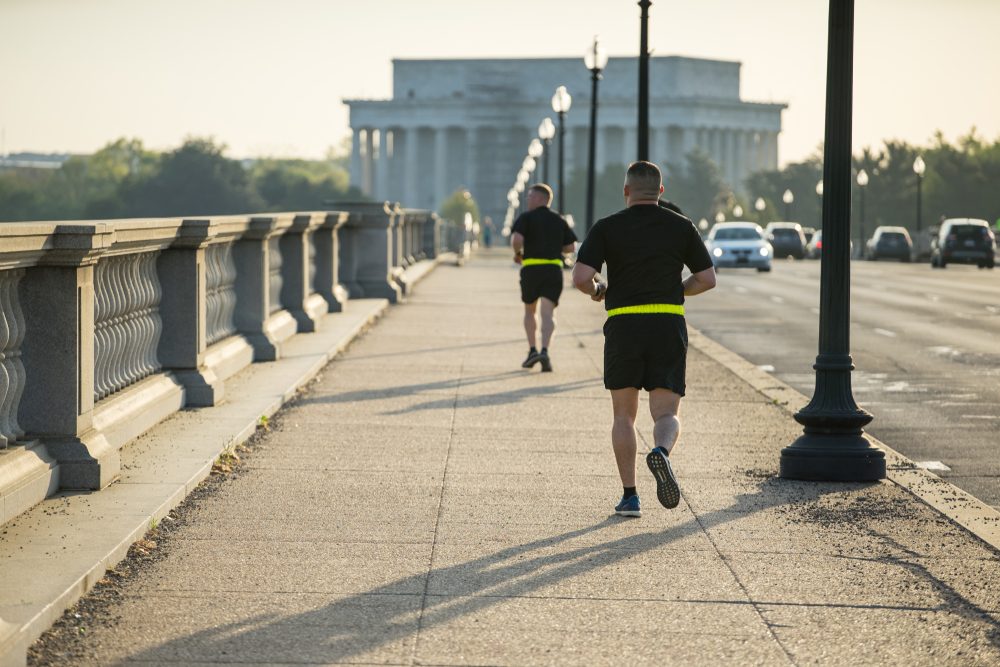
(107, 328)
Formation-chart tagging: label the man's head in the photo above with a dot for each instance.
(642, 183)
(539, 194)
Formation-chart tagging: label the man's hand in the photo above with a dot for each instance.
(518, 256)
(600, 290)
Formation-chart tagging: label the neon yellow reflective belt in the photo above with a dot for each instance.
(535, 262)
(645, 309)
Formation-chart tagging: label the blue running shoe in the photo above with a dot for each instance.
(667, 491)
(628, 507)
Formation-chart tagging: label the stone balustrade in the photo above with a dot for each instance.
(109, 327)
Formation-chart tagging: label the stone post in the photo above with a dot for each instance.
(367, 250)
(326, 239)
(183, 308)
(297, 292)
(254, 319)
(57, 406)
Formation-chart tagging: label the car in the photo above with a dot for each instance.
(889, 242)
(815, 246)
(964, 241)
(787, 239)
(739, 244)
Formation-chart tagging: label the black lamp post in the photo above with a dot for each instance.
(862, 186)
(561, 102)
(595, 60)
(918, 168)
(546, 130)
(642, 152)
(832, 446)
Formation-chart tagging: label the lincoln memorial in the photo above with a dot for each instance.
(467, 123)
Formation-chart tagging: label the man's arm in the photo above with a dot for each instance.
(517, 245)
(586, 279)
(699, 282)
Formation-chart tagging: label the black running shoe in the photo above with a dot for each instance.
(546, 363)
(667, 491)
(533, 358)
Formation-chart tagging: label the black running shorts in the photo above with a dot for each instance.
(645, 351)
(541, 280)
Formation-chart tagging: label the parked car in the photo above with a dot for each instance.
(964, 241)
(889, 242)
(738, 244)
(787, 239)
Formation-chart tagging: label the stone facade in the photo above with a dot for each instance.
(467, 123)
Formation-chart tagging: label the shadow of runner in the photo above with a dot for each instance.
(339, 632)
(405, 390)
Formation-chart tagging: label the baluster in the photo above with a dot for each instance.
(117, 333)
(211, 294)
(14, 352)
(101, 341)
(229, 290)
(7, 381)
(155, 321)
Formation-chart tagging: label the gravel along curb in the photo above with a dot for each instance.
(967, 511)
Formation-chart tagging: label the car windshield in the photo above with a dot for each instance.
(892, 237)
(736, 234)
(968, 231)
(785, 233)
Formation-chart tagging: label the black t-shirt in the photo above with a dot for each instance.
(545, 233)
(645, 247)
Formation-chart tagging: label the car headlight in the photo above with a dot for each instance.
(765, 251)
(717, 252)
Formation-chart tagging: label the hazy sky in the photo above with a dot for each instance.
(267, 76)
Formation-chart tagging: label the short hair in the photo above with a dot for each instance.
(644, 180)
(541, 188)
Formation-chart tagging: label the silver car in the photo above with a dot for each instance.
(739, 244)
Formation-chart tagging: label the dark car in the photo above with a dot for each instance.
(787, 239)
(889, 243)
(964, 241)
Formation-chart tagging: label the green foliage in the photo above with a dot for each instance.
(457, 205)
(696, 187)
(123, 179)
(608, 196)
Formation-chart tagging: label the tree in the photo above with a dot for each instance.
(696, 186)
(289, 185)
(457, 205)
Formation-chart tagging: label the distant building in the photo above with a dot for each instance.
(468, 123)
(33, 160)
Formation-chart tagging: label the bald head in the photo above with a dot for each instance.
(643, 183)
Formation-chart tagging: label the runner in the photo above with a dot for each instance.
(539, 238)
(645, 247)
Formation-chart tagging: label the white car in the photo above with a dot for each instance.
(738, 244)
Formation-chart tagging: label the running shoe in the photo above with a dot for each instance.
(533, 358)
(628, 507)
(667, 491)
(543, 357)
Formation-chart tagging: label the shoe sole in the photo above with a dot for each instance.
(528, 363)
(546, 365)
(628, 512)
(667, 491)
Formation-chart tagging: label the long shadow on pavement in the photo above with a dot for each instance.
(338, 633)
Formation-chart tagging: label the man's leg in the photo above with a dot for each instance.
(625, 403)
(530, 323)
(548, 313)
(664, 407)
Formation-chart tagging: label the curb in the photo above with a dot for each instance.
(967, 511)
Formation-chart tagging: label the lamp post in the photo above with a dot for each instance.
(832, 446)
(737, 212)
(546, 130)
(535, 152)
(720, 217)
(788, 197)
(595, 60)
(561, 102)
(862, 184)
(642, 152)
(919, 167)
(759, 206)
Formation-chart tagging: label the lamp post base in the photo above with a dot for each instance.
(832, 458)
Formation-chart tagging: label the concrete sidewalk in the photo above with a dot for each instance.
(428, 502)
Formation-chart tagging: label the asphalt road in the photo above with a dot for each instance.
(925, 343)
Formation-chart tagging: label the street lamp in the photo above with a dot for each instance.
(642, 152)
(561, 102)
(788, 198)
(760, 205)
(720, 217)
(832, 446)
(546, 130)
(535, 148)
(862, 183)
(595, 61)
(919, 168)
(737, 211)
